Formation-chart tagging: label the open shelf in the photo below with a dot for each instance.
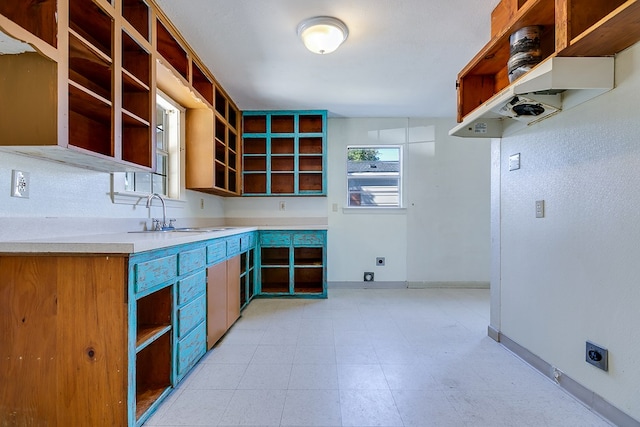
(255, 163)
(311, 123)
(275, 279)
(89, 68)
(310, 145)
(274, 256)
(254, 124)
(310, 182)
(282, 123)
(282, 145)
(308, 279)
(153, 311)
(39, 18)
(171, 50)
(201, 83)
(282, 183)
(310, 163)
(286, 146)
(136, 12)
(308, 256)
(255, 145)
(90, 119)
(255, 183)
(153, 373)
(92, 23)
(282, 163)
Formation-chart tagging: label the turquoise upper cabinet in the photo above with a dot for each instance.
(284, 153)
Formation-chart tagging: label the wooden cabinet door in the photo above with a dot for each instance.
(233, 290)
(216, 303)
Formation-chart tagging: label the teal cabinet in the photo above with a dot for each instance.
(293, 263)
(284, 153)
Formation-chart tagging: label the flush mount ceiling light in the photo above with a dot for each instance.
(322, 34)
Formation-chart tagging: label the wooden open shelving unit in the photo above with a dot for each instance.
(570, 28)
(104, 60)
(284, 153)
(90, 100)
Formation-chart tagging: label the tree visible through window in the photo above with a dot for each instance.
(374, 176)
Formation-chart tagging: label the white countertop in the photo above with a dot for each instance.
(126, 243)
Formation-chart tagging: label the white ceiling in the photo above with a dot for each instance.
(401, 58)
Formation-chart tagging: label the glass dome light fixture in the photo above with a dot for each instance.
(322, 34)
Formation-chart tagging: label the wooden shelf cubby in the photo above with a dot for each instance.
(137, 13)
(39, 18)
(281, 149)
(569, 28)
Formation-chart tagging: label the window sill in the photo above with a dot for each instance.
(135, 199)
(376, 210)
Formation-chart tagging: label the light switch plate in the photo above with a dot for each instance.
(539, 208)
(514, 162)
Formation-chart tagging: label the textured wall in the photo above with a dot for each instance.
(575, 274)
(442, 235)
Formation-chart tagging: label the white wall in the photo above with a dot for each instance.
(69, 200)
(442, 234)
(575, 275)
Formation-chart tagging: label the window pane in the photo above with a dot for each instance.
(373, 176)
(161, 164)
(159, 184)
(374, 192)
(143, 182)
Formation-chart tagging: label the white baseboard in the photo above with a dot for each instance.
(453, 285)
(590, 399)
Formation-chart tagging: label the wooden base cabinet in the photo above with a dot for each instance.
(101, 340)
(63, 340)
(223, 298)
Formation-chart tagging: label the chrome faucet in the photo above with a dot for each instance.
(157, 226)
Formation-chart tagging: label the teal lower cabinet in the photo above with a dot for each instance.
(293, 263)
(167, 313)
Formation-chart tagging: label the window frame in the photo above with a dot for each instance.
(400, 205)
(175, 190)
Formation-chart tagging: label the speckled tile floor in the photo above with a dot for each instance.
(365, 357)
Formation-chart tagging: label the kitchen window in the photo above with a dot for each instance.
(166, 179)
(374, 176)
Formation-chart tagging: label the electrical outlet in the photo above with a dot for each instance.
(368, 276)
(597, 356)
(20, 184)
(283, 206)
(201, 203)
(380, 261)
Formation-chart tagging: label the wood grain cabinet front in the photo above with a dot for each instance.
(103, 339)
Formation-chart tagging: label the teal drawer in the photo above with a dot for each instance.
(246, 241)
(308, 239)
(275, 239)
(151, 273)
(191, 260)
(192, 286)
(191, 314)
(216, 251)
(191, 348)
(233, 246)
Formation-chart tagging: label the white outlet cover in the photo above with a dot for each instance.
(20, 184)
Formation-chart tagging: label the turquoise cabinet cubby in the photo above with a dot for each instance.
(284, 153)
(293, 263)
